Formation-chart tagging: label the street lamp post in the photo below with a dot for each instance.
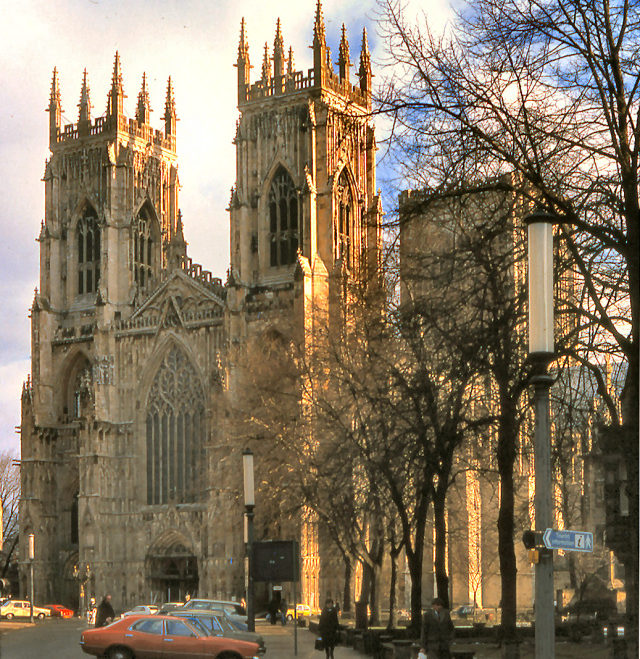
(82, 576)
(541, 348)
(249, 504)
(32, 555)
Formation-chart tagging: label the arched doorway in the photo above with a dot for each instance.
(171, 569)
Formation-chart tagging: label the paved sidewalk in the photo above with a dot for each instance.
(280, 645)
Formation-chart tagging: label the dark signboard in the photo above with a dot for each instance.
(276, 560)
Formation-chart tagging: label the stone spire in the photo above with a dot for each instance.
(319, 46)
(116, 93)
(290, 70)
(244, 66)
(319, 36)
(343, 56)
(170, 111)
(143, 109)
(278, 53)
(84, 114)
(266, 66)
(177, 248)
(54, 109)
(365, 65)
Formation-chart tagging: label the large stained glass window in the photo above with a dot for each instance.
(143, 265)
(284, 222)
(88, 245)
(175, 432)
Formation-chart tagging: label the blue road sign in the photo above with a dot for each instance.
(568, 540)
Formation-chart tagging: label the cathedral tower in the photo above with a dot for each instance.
(305, 215)
(305, 160)
(126, 340)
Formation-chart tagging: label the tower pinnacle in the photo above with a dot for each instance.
(343, 56)
(55, 108)
(143, 108)
(319, 46)
(170, 111)
(278, 53)
(116, 93)
(244, 66)
(84, 115)
(266, 65)
(364, 72)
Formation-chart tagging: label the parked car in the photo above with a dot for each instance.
(140, 636)
(142, 609)
(216, 623)
(59, 611)
(22, 609)
(464, 611)
(304, 611)
(234, 611)
(169, 606)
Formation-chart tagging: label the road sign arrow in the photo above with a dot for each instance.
(568, 540)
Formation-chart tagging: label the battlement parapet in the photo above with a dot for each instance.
(297, 82)
(105, 125)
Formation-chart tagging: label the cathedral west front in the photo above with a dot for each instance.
(131, 478)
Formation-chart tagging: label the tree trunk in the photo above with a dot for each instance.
(393, 555)
(414, 561)
(440, 522)
(507, 442)
(346, 595)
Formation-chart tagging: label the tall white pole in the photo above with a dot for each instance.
(541, 348)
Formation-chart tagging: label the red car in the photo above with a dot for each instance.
(158, 637)
(59, 611)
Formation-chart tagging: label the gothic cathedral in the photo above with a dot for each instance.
(128, 477)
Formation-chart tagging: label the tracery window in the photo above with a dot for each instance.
(344, 238)
(285, 228)
(175, 433)
(142, 249)
(88, 245)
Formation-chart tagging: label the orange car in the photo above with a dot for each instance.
(152, 637)
(59, 611)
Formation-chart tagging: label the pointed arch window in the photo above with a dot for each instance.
(344, 237)
(143, 249)
(88, 246)
(285, 228)
(175, 433)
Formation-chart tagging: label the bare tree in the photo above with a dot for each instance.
(9, 498)
(549, 91)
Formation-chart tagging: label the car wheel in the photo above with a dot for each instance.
(40, 616)
(119, 653)
(9, 616)
(289, 617)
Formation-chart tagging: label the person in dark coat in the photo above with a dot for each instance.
(283, 610)
(273, 611)
(328, 628)
(105, 613)
(437, 631)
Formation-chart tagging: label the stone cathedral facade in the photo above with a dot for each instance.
(127, 464)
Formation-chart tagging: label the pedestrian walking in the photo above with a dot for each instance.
(283, 611)
(437, 631)
(105, 613)
(273, 611)
(328, 628)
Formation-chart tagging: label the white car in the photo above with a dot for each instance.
(142, 610)
(22, 609)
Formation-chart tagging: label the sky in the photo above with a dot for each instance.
(193, 41)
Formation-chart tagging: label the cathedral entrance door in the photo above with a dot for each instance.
(172, 569)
